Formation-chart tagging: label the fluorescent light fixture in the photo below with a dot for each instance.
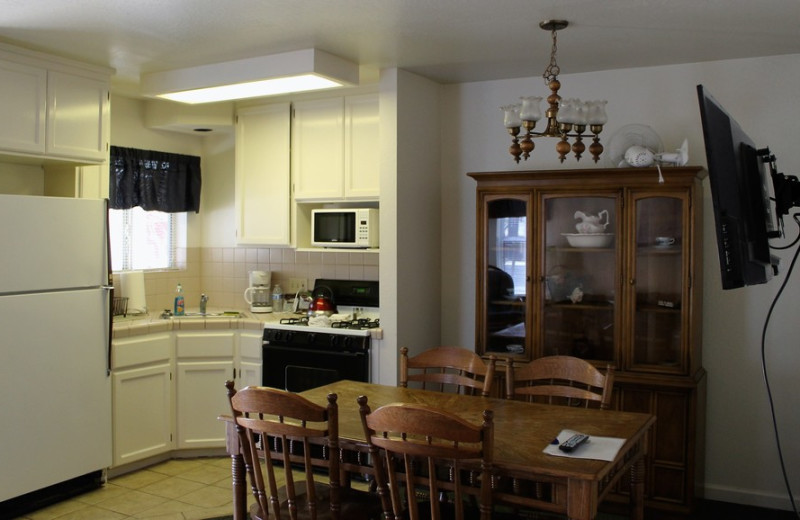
(267, 87)
(296, 71)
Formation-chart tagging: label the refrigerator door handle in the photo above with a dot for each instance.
(110, 291)
(109, 287)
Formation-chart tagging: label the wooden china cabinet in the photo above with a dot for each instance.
(626, 291)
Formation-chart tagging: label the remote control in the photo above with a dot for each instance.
(573, 442)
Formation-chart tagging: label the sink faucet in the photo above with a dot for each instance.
(203, 302)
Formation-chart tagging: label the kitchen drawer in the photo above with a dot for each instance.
(205, 344)
(141, 350)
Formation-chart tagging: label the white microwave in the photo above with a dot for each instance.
(344, 227)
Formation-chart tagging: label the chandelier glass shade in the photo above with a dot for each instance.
(564, 118)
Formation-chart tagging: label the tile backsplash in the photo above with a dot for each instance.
(222, 273)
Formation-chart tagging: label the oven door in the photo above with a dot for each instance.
(298, 369)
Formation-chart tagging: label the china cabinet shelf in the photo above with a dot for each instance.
(659, 309)
(577, 250)
(652, 250)
(580, 306)
(525, 221)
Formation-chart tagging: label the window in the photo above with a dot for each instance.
(144, 239)
(165, 184)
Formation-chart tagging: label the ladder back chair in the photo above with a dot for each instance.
(448, 369)
(285, 429)
(409, 443)
(558, 380)
(564, 380)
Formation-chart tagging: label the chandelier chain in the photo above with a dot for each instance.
(552, 71)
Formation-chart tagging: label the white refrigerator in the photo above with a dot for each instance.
(55, 387)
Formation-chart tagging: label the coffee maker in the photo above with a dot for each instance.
(257, 295)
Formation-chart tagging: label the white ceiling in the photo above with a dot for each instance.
(445, 40)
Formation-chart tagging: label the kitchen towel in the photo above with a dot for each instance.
(132, 285)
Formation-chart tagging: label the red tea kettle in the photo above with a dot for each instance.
(320, 303)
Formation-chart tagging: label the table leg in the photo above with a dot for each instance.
(637, 490)
(581, 499)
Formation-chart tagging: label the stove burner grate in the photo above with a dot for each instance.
(361, 323)
(294, 321)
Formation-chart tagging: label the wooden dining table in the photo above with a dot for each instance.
(572, 486)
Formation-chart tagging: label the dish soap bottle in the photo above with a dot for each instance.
(180, 302)
(277, 299)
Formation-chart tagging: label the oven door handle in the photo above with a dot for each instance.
(346, 353)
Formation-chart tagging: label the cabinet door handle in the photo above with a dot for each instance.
(632, 281)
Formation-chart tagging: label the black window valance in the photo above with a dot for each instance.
(154, 181)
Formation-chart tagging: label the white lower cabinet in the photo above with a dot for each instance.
(204, 360)
(142, 397)
(169, 388)
(248, 373)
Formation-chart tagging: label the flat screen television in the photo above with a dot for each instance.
(742, 192)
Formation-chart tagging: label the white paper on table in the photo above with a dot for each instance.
(598, 448)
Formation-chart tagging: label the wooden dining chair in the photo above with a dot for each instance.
(562, 380)
(286, 430)
(409, 443)
(558, 380)
(448, 369)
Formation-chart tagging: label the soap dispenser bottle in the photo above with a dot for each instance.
(180, 302)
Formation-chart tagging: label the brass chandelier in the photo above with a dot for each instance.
(566, 118)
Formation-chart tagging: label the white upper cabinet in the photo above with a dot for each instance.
(23, 105)
(361, 152)
(335, 149)
(262, 175)
(317, 149)
(53, 108)
(77, 116)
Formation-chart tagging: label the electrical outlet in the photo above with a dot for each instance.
(296, 284)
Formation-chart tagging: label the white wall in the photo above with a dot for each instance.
(410, 217)
(217, 207)
(20, 179)
(763, 96)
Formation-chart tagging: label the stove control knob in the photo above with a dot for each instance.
(310, 338)
(347, 341)
(289, 336)
(334, 340)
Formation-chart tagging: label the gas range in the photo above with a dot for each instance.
(351, 326)
(300, 353)
(358, 316)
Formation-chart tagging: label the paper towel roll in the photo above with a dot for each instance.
(132, 285)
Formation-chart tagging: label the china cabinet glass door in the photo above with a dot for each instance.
(506, 275)
(580, 276)
(658, 283)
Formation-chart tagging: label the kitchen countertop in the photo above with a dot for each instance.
(152, 322)
(139, 324)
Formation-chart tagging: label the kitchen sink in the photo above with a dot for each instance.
(207, 315)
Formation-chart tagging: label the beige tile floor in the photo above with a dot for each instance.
(184, 489)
